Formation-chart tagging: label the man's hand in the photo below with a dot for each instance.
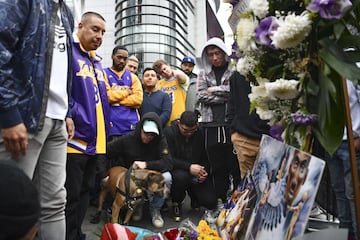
(15, 140)
(180, 76)
(139, 165)
(70, 127)
(211, 89)
(199, 172)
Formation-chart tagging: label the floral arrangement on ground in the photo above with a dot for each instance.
(296, 53)
(187, 230)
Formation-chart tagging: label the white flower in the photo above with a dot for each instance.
(245, 34)
(291, 31)
(246, 65)
(259, 7)
(283, 89)
(257, 92)
(265, 114)
(262, 80)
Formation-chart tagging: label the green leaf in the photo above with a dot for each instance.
(337, 59)
(349, 41)
(330, 128)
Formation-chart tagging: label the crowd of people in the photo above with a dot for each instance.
(65, 118)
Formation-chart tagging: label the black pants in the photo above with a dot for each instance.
(202, 192)
(80, 177)
(223, 161)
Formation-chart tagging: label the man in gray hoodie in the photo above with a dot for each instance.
(213, 91)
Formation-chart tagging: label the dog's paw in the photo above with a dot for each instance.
(95, 219)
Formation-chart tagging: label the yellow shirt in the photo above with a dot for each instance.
(177, 94)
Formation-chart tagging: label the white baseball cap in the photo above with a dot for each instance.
(150, 126)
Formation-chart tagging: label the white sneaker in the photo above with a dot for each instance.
(156, 218)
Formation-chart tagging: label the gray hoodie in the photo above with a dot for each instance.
(204, 59)
(213, 105)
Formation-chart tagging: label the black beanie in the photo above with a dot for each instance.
(19, 202)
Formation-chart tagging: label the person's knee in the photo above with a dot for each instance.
(54, 209)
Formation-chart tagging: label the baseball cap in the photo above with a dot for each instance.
(150, 126)
(187, 59)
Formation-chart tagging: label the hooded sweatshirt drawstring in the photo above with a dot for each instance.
(224, 134)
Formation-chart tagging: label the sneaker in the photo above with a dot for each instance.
(177, 211)
(156, 218)
(138, 212)
(210, 216)
(320, 213)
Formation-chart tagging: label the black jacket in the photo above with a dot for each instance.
(185, 152)
(242, 121)
(129, 148)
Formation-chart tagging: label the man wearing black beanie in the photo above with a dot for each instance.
(19, 204)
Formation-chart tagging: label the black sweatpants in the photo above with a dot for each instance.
(202, 192)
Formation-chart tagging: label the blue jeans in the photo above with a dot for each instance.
(45, 163)
(341, 181)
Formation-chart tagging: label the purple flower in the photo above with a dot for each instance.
(329, 9)
(264, 31)
(193, 235)
(234, 50)
(304, 119)
(276, 131)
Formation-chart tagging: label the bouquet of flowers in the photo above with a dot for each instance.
(188, 231)
(295, 53)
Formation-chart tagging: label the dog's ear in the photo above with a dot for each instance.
(155, 177)
(141, 173)
(145, 174)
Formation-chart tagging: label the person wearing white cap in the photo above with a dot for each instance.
(145, 148)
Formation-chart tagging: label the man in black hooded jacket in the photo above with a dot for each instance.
(145, 148)
(191, 166)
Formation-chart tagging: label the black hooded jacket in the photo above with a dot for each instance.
(185, 152)
(129, 148)
(242, 120)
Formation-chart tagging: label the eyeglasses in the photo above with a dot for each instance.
(188, 130)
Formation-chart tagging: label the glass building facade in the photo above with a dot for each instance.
(155, 29)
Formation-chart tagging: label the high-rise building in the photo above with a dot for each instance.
(153, 29)
(156, 29)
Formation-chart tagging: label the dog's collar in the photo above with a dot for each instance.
(131, 200)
